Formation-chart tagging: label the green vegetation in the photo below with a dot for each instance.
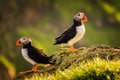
(96, 69)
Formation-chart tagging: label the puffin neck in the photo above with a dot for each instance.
(27, 45)
(77, 23)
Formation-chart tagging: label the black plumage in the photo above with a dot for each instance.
(68, 34)
(37, 55)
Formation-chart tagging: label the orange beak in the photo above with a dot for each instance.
(84, 18)
(18, 43)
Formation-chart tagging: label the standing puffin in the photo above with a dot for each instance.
(74, 33)
(32, 54)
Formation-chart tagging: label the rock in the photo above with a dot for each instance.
(64, 58)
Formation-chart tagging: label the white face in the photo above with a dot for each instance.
(79, 16)
(24, 40)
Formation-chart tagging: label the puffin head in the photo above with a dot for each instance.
(23, 41)
(80, 16)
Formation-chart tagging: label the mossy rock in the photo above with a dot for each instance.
(64, 58)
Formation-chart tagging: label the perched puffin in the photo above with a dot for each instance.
(32, 54)
(74, 33)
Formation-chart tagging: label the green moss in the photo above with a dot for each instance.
(96, 69)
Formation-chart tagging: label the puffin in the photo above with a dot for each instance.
(32, 54)
(74, 33)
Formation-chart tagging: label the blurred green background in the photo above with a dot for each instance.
(44, 20)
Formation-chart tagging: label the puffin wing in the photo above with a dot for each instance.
(40, 52)
(38, 55)
(66, 36)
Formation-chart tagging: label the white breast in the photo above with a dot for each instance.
(26, 57)
(80, 32)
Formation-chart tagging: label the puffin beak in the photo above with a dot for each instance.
(18, 43)
(84, 19)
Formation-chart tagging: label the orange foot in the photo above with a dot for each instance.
(34, 69)
(72, 49)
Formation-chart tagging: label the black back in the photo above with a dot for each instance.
(68, 34)
(37, 55)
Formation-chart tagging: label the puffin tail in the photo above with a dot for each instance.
(54, 43)
(50, 60)
(57, 42)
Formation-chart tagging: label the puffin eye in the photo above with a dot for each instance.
(78, 15)
(24, 38)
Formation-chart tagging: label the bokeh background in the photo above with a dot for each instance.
(44, 20)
